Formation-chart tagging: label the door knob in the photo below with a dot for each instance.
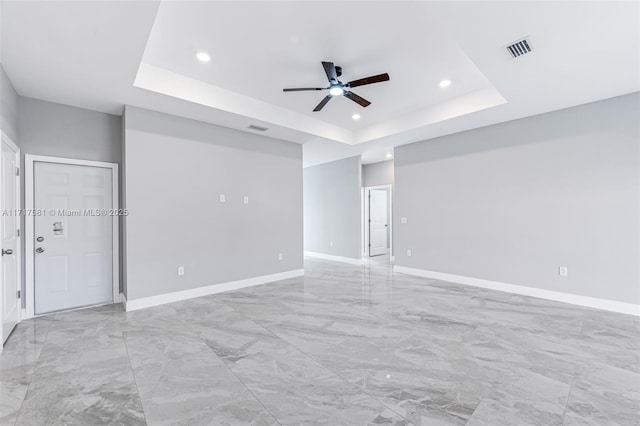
(40, 239)
(39, 250)
(7, 252)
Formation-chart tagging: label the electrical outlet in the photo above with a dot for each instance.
(280, 256)
(563, 271)
(223, 198)
(246, 199)
(403, 220)
(409, 253)
(331, 243)
(180, 270)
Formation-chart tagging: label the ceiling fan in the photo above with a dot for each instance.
(338, 88)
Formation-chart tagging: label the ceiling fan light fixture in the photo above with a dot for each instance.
(336, 91)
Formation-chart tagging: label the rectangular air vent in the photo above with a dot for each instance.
(258, 128)
(519, 48)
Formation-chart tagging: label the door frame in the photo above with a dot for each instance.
(365, 219)
(29, 188)
(6, 139)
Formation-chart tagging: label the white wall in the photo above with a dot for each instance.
(514, 201)
(332, 208)
(175, 171)
(8, 107)
(377, 173)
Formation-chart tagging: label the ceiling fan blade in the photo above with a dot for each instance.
(357, 99)
(369, 80)
(322, 103)
(301, 89)
(330, 70)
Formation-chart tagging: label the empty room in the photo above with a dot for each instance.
(420, 213)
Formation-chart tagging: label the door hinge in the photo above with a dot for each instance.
(17, 232)
(18, 294)
(17, 171)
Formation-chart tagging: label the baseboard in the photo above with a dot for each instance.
(342, 259)
(161, 299)
(573, 299)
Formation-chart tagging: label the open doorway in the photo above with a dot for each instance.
(378, 232)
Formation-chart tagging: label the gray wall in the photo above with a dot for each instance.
(332, 208)
(176, 169)
(58, 130)
(514, 201)
(377, 173)
(8, 107)
(62, 131)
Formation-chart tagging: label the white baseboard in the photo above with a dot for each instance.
(161, 299)
(574, 299)
(342, 259)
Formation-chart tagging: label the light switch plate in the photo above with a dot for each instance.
(563, 271)
(280, 256)
(223, 198)
(181, 270)
(409, 253)
(403, 220)
(245, 199)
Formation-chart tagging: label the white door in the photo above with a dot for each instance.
(9, 229)
(378, 222)
(73, 236)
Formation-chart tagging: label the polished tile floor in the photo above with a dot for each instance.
(345, 345)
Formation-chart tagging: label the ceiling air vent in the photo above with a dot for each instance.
(519, 48)
(258, 128)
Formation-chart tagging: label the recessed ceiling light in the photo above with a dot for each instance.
(445, 83)
(356, 116)
(203, 56)
(336, 91)
(389, 155)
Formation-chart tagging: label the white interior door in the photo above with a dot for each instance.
(9, 229)
(378, 222)
(73, 238)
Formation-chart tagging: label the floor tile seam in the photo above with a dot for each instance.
(315, 361)
(203, 340)
(566, 406)
(133, 374)
(37, 363)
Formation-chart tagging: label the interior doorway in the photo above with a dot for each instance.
(10, 282)
(377, 221)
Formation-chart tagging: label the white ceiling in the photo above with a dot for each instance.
(102, 55)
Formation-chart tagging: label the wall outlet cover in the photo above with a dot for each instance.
(563, 271)
(245, 199)
(223, 198)
(180, 270)
(403, 220)
(409, 253)
(280, 256)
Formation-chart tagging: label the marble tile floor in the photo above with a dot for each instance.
(344, 345)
